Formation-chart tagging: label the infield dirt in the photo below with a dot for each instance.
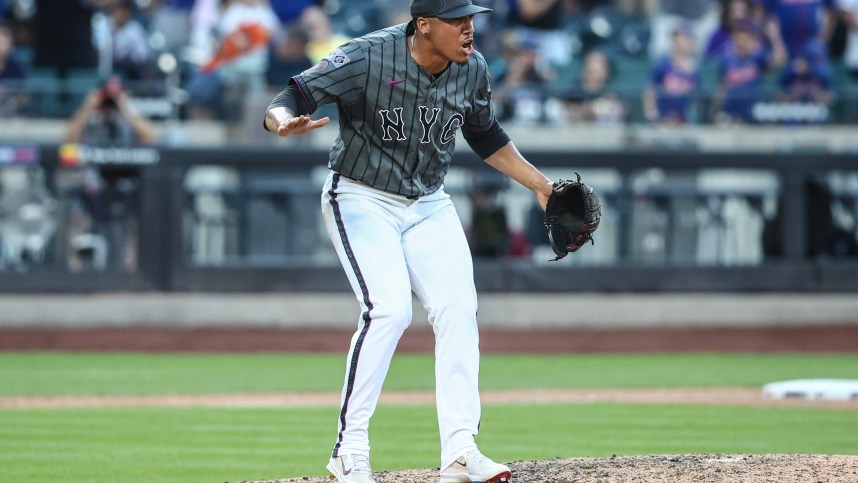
(646, 469)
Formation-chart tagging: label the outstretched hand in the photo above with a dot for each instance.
(300, 125)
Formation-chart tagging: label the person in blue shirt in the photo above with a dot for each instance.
(807, 80)
(12, 75)
(802, 21)
(10, 68)
(674, 82)
(732, 12)
(742, 70)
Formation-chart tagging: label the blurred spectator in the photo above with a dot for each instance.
(807, 77)
(12, 75)
(742, 71)
(592, 100)
(542, 22)
(238, 67)
(733, 12)
(205, 15)
(674, 81)
(107, 118)
(10, 68)
(289, 11)
(849, 14)
(103, 232)
(288, 57)
(537, 14)
(323, 40)
(130, 41)
(700, 16)
(801, 22)
(245, 28)
(63, 31)
(521, 79)
(172, 20)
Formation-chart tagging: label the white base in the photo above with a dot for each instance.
(828, 389)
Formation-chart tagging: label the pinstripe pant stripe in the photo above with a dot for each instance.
(367, 318)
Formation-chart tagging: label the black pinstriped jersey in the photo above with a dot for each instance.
(398, 123)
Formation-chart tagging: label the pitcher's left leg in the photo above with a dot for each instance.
(441, 271)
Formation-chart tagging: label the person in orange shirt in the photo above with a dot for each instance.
(238, 66)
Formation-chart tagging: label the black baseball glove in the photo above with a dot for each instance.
(571, 216)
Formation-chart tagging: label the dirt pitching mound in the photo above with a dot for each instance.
(640, 469)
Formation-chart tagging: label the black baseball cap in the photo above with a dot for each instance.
(445, 8)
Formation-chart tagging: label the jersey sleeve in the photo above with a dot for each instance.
(482, 115)
(339, 77)
(481, 130)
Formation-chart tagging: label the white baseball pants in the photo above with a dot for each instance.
(390, 245)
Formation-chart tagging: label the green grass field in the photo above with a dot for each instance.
(234, 444)
(121, 373)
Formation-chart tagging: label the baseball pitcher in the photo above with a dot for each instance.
(402, 94)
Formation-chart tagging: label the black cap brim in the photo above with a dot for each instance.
(463, 11)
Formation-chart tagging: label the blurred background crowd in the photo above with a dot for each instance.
(553, 61)
(135, 74)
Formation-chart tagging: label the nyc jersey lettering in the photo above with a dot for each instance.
(396, 124)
